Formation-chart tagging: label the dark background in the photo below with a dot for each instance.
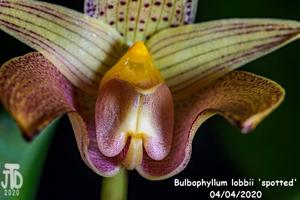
(219, 151)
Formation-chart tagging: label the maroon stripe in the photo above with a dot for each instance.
(86, 25)
(213, 50)
(200, 43)
(51, 42)
(72, 21)
(57, 33)
(38, 42)
(221, 66)
(48, 30)
(230, 54)
(159, 16)
(260, 29)
(15, 28)
(177, 34)
(54, 13)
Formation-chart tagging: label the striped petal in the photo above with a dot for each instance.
(206, 51)
(35, 93)
(82, 48)
(244, 99)
(137, 20)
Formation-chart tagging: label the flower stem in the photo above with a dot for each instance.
(115, 188)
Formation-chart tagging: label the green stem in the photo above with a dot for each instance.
(115, 188)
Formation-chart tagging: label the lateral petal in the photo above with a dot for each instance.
(82, 48)
(35, 93)
(137, 20)
(209, 50)
(244, 99)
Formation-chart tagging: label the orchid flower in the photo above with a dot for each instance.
(136, 78)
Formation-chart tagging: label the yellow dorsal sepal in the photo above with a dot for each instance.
(135, 67)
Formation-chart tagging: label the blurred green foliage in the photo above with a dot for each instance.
(30, 155)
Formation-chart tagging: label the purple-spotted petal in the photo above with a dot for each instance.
(137, 20)
(244, 99)
(35, 93)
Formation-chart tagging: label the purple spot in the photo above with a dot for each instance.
(165, 18)
(153, 19)
(157, 3)
(131, 18)
(121, 19)
(91, 10)
(142, 21)
(110, 6)
(146, 5)
(130, 29)
(169, 4)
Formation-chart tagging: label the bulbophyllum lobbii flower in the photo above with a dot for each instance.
(135, 86)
